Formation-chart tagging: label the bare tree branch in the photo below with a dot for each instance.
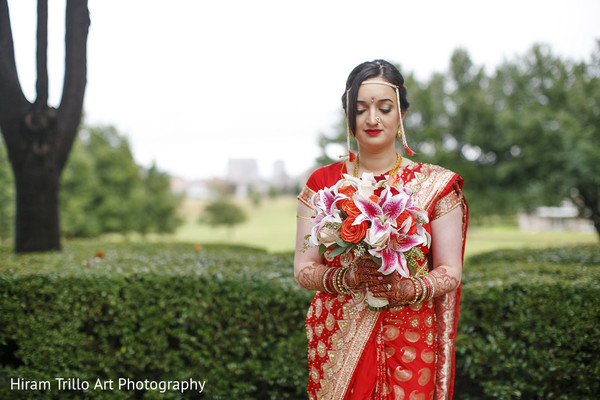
(13, 104)
(71, 106)
(12, 99)
(41, 102)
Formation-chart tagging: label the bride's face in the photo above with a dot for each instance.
(377, 118)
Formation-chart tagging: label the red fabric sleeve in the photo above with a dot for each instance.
(326, 176)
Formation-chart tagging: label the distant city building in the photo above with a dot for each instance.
(243, 174)
(242, 179)
(280, 177)
(178, 185)
(281, 181)
(563, 218)
(200, 189)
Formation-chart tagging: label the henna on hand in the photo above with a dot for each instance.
(443, 280)
(364, 275)
(311, 276)
(380, 285)
(359, 277)
(404, 291)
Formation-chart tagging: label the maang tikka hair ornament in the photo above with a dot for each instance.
(401, 134)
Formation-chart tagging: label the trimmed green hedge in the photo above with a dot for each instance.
(234, 318)
(230, 316)
(530, 325)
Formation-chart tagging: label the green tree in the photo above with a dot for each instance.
(158, 205)
(105, 191)
(525, 136)
(7, 196)
(223, 212)
(550, 118)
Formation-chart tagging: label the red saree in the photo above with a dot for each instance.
(400, 353)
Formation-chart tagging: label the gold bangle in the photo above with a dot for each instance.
(424, 289)
(326, 276)
(417, 292)
(334, 280)
(339, 281)
(323, 279)
(344, 281)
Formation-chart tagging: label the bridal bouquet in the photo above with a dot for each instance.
(376, 219)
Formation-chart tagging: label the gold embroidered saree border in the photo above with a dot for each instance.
(354, 353)
(446, 204)
(348, 343)
(445, 310)
(427, 185)
(306, 195)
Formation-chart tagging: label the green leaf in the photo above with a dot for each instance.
(343, 243)
(322, 249)
(337, 251)
(412, 269)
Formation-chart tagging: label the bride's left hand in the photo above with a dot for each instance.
(378, 284)
(391, 286)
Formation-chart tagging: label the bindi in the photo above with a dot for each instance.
(372, 99)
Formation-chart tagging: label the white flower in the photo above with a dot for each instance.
(327, 236)
(378, 235)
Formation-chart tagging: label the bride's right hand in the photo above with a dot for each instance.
(361, 273)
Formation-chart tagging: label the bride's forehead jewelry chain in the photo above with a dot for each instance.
(401, 127)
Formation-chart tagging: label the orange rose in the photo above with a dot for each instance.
(347, 191)
(353, 233)
(403, 217)
(350, 207)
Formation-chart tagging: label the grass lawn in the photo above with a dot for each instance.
(272, 226)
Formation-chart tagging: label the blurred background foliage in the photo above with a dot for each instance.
(524, 135)
(103, 190)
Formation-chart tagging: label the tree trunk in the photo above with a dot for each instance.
(596, 221)
(588, 202)
(37, 220)
(593, 207)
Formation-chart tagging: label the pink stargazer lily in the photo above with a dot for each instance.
(389, 236)
(387, 240)
(393, 258)
(325, 212)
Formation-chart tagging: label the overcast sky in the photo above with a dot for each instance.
(192, 83)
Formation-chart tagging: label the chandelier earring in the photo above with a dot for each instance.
(350, 155)
(401, 132)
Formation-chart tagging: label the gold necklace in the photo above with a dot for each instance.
(392, 171)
